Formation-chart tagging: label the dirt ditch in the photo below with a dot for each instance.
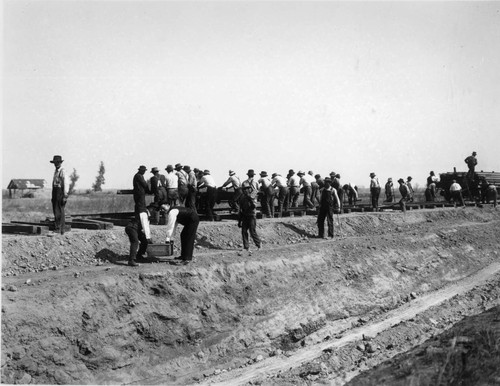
(302, 310)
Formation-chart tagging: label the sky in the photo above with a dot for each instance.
(395, 88)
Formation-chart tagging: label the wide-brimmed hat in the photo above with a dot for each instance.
(57, 158)
(401, 180)
(389, 179)
(263, 173)
(337, 175)
(372, 174)
(187, 168)
(274, 175)
(409, 178)
(332, 174)
(169, 168)
(178, 166)
(206, 171)
(142, 167)
(300, 173)
(474, 153)
(327, 179)
(251, 173)
(291, 171)
(154, 170)
(231, 172)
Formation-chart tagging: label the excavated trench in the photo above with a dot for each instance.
(230, 316)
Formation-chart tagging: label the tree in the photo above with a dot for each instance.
(73, 177)
(99, 180)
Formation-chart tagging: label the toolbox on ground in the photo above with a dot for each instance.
(160, 250)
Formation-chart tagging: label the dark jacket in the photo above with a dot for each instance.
(247, 207)
(326, 200)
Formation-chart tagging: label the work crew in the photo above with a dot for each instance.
(157, 188)
(374, 191)
(247, 218)
(351, 193)
(293, 188)
(192, 183)
(190, 220)
(60, 193)
(306, 181)
(182, 183)
(208, 182)
(172, 185)
(280, 183)
(327, 201)
(456, 193)
(389, 192)
(405, 194)
(234, 182)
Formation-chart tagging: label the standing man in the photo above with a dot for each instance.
(157, 183)
(279, 182)
(326, 207)
(235, 183)
(140, 190)
(267, 194)
(389, 194)
(374, 191)
(471, 162)
(208, 181)
(192, 188)
(432, 180)
(247, 219)
(315, 188)
(410, 188)
(405, 194)
(293, 188)
(60, 193)
(182, 179)
(306, 181)
(172, 184)
(190, 220)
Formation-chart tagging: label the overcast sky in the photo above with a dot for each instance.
(397, 88)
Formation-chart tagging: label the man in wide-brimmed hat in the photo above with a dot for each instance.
(389, 190)
(60, 192)
(293, 188)
(374, 191)
(267, 201)
(141, 188)
(328, 200)
(172, 185)
(234, 182)
(306, 181)
(247, 219)
(159, 192)
(190, 201)
(405, 194)
(182, 183)
(208, 182)
(279, 182)
(252, 182)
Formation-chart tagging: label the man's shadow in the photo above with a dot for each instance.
(301, 232)
(114, 258)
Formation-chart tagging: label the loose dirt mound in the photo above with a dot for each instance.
(73, 312)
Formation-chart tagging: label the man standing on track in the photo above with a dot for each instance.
(235, 183)
(471, 162)
(374, 190)
(60, 192)
(279, 182)
(247, 219)
(326, 207)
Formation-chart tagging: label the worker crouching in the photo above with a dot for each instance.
(190, 220)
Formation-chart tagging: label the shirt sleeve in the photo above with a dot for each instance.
(65, 181)
(171, 222)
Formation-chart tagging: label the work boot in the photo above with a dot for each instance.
(133, 263)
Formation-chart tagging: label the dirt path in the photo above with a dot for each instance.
(408, 311)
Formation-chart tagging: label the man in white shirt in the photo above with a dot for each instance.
(252, 182)
(234, 182)
(306, 181)
(60, 192)
(267, 194)
(279, 182)
(190, 220)
(294, 188)
(182, 183)
(374, 191)
(207, 181)
(172, 185)
(456, 193)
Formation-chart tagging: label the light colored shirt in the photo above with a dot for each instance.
(182, 177)
(455, 187)
(207, 180)
(265, 182)
(234, 180)
(172, 181)
(307, 180)
(294, 181)
(279, 181)
(374, 183)
(251, 182)
(60, 180)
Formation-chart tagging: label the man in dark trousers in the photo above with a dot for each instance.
(327, 200)
(247, 218)
(405, 194)
(138, 240)
(140, 189)
(190, 220)
(159, 192)
(471, 162)
(60, 192)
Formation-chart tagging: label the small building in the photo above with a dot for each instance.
(25, 184)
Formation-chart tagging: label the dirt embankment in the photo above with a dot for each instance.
(73, 312)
